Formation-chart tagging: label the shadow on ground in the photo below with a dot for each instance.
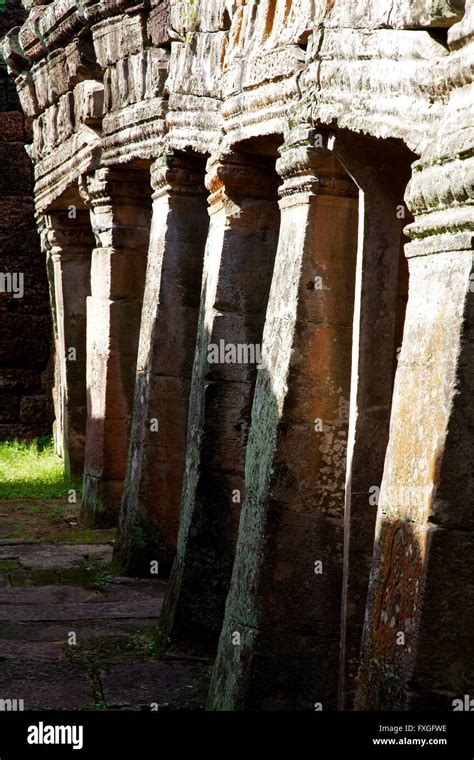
(73, 635)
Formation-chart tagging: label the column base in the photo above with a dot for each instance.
(272, 669)
(100, 501)
(141, 545)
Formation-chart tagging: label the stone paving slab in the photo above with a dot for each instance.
(13, 542)
(48, 595)
(46, 686)
(111, 665)
(43, 651)
(146, 607)
(49, 556)
(85, 629)
(141, 684)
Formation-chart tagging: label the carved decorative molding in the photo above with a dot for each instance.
(308, 165)
(177, 174)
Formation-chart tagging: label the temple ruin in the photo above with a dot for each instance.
(256, 219)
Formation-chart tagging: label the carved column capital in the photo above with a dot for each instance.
(241, 175)
(66, 235)
(118, 198)
(118, 185)
(308, 164)
(95, 188)
(178, 174)
(43, 232)
(54, 234)
(441, 192)
(440, 196)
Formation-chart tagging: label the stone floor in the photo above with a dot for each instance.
(72, 634)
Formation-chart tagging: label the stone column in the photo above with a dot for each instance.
(238, 266)
(47, 242)
(279, 646)
(382, 172)
(69, 242)
(151, 504)
(120, 201)
(418, 644)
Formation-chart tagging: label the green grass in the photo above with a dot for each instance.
(32, 470)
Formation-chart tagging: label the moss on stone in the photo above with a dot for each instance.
(81, 536)
(90, 575)
(168, 611)
(97, 653)
(9, 565)
(390, 689)
(140, 546)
